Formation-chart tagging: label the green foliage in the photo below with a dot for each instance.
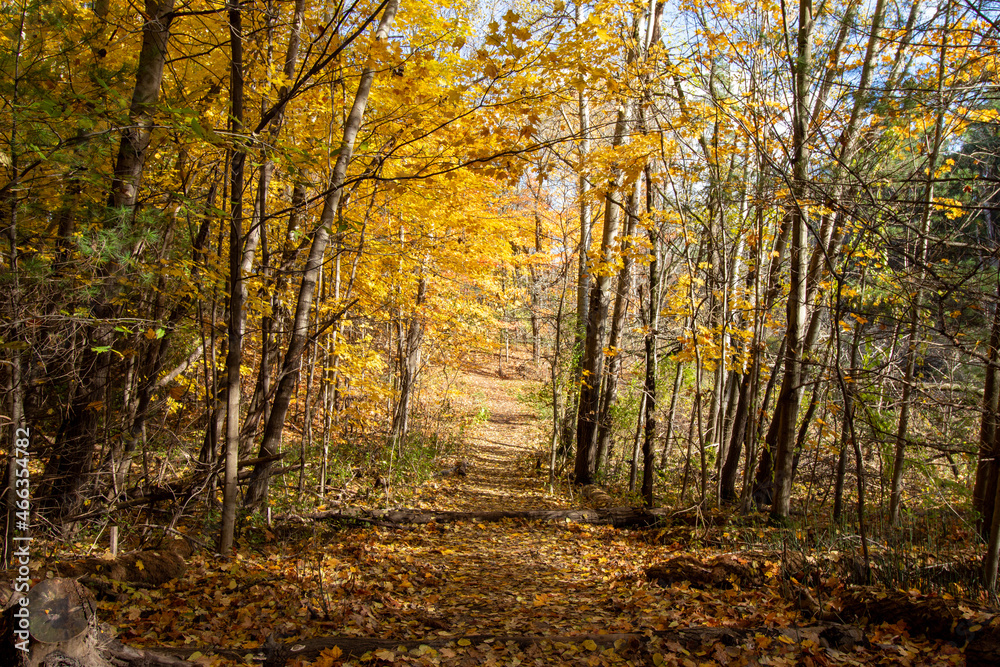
(116, 243)
(539, 400)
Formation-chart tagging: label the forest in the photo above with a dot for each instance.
(744, 257)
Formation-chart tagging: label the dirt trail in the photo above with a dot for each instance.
(512, 577)
(500, 451)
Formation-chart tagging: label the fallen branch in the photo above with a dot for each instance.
(620, 517)
(830, 635)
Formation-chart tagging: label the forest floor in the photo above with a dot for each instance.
(471, 593)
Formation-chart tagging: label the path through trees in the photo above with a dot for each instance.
(510, 591)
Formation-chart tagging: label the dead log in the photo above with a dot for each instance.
(984, 648)
(59, 627)
(597, 497)
(826, 635)
(934, 617)
(150, 567)
(620, 517)
(725, 571)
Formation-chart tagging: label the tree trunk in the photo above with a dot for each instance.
(593, 353)
(899, 458)
(727, 484)
(554, 383)
(258, 409)
(787, 406)
(845, 429)
(652, 327)
(236, 289)
(763, 484)
(72, 461)
(610, 386)
(257, 491)
(536, 288)
(671, 414)
(134, 143)
(583, 284)
(986, 466)
(409, 369)
(992, 556)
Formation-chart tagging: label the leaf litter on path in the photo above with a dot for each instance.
(449, 582)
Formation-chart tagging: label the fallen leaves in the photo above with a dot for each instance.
(461, 586)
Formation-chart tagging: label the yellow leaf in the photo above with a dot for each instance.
(590, 645)
(327, 658)
(139, 566)
(464, 642)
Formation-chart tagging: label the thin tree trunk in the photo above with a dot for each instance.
(409, 368)
(583, 285)
(257, 491)
(763, 485)
(652, 327)
(727, 484)
(852, 434)
(610, 387)
(787, 406)
(536, 306)
(671, 414)
(987, 466)
(845, 429)
(593, 354)
(554, 381)
(236, 289)
(899, 458)
(633, 467)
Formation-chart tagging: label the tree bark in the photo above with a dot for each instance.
(583, 284)
(409, 362)
(986, 465)
(845, 429)
(72, 461)
(649, 385)
(610, 383)
(727, 484)
(593, 353)
(288, 378)
(234, 356)
(134, 143)
(787, 405)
